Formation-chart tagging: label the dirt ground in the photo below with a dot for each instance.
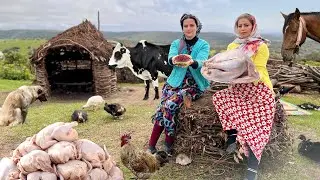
(133, 95)
(126, 96)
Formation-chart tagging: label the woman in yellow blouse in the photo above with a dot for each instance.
(246, 110)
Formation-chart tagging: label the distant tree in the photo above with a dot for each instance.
(314, 56)
(13, 57)
(275, 55)
(2, 56)
(15, 66)
(15, 49)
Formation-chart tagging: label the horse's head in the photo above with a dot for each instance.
(294, 35)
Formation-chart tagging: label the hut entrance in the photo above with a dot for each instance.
(69, 70)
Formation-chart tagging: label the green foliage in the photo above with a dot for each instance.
(212, 52)
(16, 49)
(15, 57)
(275, 55)
(310, 62)
(314, 56)
(15, 66)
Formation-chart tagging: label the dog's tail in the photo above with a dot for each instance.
(6, 116)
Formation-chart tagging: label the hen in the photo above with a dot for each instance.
(283, 91)
(309, 149)
(115, 109)
(309, 106)
(94, 103)
(79, 116)
(142, 164)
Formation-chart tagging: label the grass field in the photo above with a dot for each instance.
(8, 85)
(25, 45)
(102, 129)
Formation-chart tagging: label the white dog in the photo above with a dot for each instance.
(15, 107)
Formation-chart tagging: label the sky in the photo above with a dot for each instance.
(146, 15)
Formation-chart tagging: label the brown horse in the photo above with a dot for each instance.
(297, 26)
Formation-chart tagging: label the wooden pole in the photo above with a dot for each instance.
(98, 21)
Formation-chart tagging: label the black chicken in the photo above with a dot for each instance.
(79, 116)
(115, 109)
(283, 90)
(309, 149)
(309, 106)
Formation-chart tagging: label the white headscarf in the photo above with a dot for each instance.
(251, 43)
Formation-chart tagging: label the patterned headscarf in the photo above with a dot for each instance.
(250, 44)
(187, 16)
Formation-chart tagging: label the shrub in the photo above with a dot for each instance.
(15, 67)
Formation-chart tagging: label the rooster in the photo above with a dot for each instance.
(141, 163)
(115, 109)
(283, 91)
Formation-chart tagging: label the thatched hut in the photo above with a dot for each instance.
(75, 60)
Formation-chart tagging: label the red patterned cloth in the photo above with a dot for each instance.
(249, 109)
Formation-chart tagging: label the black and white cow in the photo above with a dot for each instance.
(146, 60)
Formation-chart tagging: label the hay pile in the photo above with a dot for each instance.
(199, 132)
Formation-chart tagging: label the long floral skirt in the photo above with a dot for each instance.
(172, 100)
(249, 109)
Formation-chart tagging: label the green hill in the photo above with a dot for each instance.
(217, 40)
(24, 46)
